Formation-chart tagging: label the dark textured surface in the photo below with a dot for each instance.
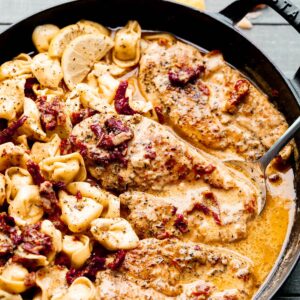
(270, 32)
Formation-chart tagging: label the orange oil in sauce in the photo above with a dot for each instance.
(268, 232)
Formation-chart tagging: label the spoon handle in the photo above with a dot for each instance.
(280, 143)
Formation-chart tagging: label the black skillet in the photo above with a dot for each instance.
(209, 31)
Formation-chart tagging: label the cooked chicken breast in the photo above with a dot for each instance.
(215, 201)
(150, 158)
(115, 286)
(171, 269)
(208, 101)
(197, 215)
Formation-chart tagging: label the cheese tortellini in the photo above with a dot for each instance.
(52, 282)
(110, 203)
(32, 126)
(78, 213)
(114, 234)
(16, 178)
(136, 101)
(48, 228)
(26, 208)
(42, 36)
(19, 66)
(88, 97)
(81, 289)
(78, 248)
(11, 97)
(41, 151)
(47, 70)
(12, 278)
(55, 218)
(65, 168)
(11, 155)
(127, 50)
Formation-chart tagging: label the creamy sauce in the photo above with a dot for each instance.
(268, 232)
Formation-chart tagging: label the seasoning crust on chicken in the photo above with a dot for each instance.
(178, 270)
(208, 101)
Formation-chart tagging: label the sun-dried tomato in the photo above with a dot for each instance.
(89, 270)
(25, 261)
(181, 223)
(72, 274)
(209, 206)
(36, 242)
(201, 207)
(150, 153)
(58, 185)
(48, 197)
(80, 146)
(78, 195)
(8, 227)
(202, 290)
(112, 142)
(77, 117)
(28, 88)
(94, 265)
(174, 210)
(121, 101)
(241, 89)
(118, 260)
(159, 114)
(99, 157)
(52, 113)
(104, 139)
(201, 170)
(65, 147)
(35, 172)
(7, 133)
(185, 75)
(50, 203)
(6, 222)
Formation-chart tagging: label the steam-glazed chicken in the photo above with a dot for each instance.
(180, 271)
(207, 101)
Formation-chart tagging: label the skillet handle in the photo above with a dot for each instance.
(238, 9)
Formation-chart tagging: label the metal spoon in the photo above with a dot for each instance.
(257, 169)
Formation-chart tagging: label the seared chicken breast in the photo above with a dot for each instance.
(171, 269)
(208, 101)
(197, 215)
(216, 201)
